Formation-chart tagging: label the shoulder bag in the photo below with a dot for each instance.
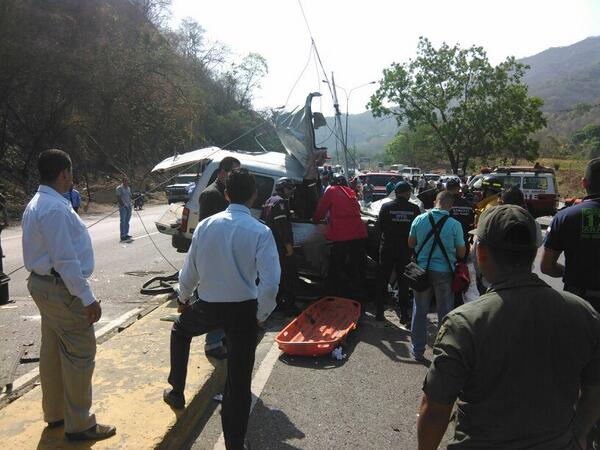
(461, 278)
(415, 275)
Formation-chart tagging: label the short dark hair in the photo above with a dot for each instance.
(240, 186)
(445, 199)
(592, 176)
(511, 260)
(228, 162)
(51, 163)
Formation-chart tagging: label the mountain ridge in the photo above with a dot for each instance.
(564, 77)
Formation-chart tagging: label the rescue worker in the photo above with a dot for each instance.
(491, 189)
(576, 232)
(277, 215)
(395, 219)
(348, 234)
(461, 210)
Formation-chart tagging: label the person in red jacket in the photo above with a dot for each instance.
(348, 234)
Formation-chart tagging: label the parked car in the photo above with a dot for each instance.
(180, 190)
(379, 181)
(445, 178)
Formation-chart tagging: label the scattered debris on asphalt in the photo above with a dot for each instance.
(338, 354)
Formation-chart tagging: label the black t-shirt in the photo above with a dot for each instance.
(395, 219)
(462, 210)
(576, 231)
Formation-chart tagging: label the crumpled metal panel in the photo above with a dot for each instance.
(296, 130)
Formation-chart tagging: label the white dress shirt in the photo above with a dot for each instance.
(54, 237)
(229, 251)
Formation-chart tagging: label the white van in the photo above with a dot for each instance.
(409, 172)
(181, 220)
(538, 184)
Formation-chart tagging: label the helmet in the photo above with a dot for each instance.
(339, 180)
(284, 182)
(492, 184)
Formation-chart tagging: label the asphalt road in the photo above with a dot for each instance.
(119, 273)
(368, 400)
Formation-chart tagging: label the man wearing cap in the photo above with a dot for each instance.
(522, 362)
(395, 219)
(576, 232)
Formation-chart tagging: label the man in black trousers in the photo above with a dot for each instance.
(395, 219)
(228, 252)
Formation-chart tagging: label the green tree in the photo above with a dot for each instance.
(413, 148)
(472, 108)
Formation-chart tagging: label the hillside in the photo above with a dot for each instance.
(564, 77)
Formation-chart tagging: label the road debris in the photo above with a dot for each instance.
(338, 354)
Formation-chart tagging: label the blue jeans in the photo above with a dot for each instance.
(213, 339)
(125, 216)
(441, 283)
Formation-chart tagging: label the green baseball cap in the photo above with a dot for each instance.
(496, 222)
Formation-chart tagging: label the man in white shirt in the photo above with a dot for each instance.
(57, 250)
(229, 252)
(123, 192)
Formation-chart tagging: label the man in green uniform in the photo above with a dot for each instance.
(522, 362)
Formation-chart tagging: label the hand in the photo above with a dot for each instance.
(289, 250)
(181, 307)
(94, 312)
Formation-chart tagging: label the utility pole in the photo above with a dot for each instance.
(338, 125)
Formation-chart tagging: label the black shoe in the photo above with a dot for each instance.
(217, 353)
(128, 237)
(95, 433)
(175, 401)
(56, 424)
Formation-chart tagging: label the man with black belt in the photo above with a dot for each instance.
(58, 252)
(276, 214)
(213, 201)
(228, 253)
(576, 232)
(395, 219)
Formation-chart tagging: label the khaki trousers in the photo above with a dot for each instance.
(66, 355)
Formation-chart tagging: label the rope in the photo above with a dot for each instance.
(154, 243)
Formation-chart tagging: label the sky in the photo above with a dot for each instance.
(357, 39)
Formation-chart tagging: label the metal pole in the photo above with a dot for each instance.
(338, 122)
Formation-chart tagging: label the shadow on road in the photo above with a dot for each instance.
(280, 429)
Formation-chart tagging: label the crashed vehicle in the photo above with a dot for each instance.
(300, 163)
